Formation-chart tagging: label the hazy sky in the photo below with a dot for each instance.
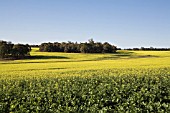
(125, 23)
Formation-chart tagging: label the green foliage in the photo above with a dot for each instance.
(20, 50)
(71, 47)
(5, 48)
(9, 50)
(89, 94)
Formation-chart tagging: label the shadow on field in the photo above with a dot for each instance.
(117, 55)
(125, 55)
(46, 57)
(37, 57)
(113, 56)
(42, 69)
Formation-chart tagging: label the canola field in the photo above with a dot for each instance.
(126, 81)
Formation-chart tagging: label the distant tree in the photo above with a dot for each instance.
(107, 48)
(57, 47)
(9, 50)
(98, 47)
(84, 48)
(71, 47)
(67, 48)
(91, 41)
(62, 46)
(34, 45)
(20, 51)
(5, 48)
(114, 49)
(42, 47)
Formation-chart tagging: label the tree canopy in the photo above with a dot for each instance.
(17, 51)
(71, 47)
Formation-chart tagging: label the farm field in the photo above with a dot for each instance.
(46, 65)
(126, 81)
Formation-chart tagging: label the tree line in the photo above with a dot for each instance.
(71, 47)
(13, 51)
(149, 49)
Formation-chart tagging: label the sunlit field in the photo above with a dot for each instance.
(47, 65)
(132, 81)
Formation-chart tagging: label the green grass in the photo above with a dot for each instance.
(127, 81)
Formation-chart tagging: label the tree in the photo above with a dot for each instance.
(5, 48)
(107, 48)
(9, 50)
(2, 51)
(98, 47)
(20, 51)
(71, 47)
(84, 48)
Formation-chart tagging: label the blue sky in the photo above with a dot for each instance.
(125, 23)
